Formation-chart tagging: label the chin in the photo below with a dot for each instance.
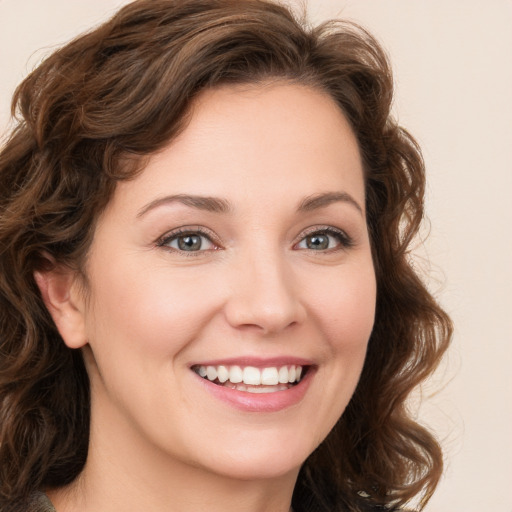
(260, 459)
(270, 468)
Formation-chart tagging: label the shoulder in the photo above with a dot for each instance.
(38, 502)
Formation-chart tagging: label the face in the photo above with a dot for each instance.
(231, 287)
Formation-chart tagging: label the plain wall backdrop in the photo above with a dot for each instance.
(453, 74)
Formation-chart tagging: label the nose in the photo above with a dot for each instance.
(264, 295)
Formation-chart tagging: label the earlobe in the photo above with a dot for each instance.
(58, 290)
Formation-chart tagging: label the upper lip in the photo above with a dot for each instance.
(257, 362)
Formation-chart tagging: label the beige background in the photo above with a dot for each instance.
(452, 62)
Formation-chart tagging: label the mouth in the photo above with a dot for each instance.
(251, 379)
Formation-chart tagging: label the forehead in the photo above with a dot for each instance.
(244, 139)
(278, 114)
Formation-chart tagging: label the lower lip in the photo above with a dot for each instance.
(260, 402)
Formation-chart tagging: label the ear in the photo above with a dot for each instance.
(59, 288)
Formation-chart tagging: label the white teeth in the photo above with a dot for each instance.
(263, 389)
(269, 376)
(283, 375)
(222, 374)
(268, 379)
(235, 374)
(211, 373)
(252, 376)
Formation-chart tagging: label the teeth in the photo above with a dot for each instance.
(211, 373)
(222, 374)
(235, 374)
(267, 389)
(269, 379)
(252, 376)
(270, 376)
(283, 375)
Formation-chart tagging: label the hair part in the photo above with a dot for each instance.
(90, 115)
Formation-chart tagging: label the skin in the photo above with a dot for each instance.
(159, 441)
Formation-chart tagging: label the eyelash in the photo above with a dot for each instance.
(165, 240)
(345, 241)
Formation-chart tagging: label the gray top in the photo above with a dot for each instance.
(40, 503)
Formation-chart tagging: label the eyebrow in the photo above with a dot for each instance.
(322, 200)
(209, 204)
(219, 205)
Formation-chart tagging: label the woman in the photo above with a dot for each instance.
(206, 294)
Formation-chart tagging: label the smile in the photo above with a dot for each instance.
(252, 379)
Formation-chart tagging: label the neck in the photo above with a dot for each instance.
(189, 493)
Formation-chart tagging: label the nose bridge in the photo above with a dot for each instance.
(264, 293)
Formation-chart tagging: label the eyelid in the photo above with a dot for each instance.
(163, 240)
(345, 240)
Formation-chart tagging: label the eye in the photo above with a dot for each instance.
(324, 240)
(187, 241)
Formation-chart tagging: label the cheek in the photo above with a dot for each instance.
(151, 309)
(343, 311)
(344, 305)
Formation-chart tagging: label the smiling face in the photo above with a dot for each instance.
(240, 253)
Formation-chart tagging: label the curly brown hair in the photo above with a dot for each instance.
(89, 116)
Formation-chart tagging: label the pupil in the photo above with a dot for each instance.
(189, 243)
(318, 242)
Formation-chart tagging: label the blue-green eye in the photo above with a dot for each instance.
(324, 240)
(188, 242)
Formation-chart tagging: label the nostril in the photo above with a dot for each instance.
(264, 304)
